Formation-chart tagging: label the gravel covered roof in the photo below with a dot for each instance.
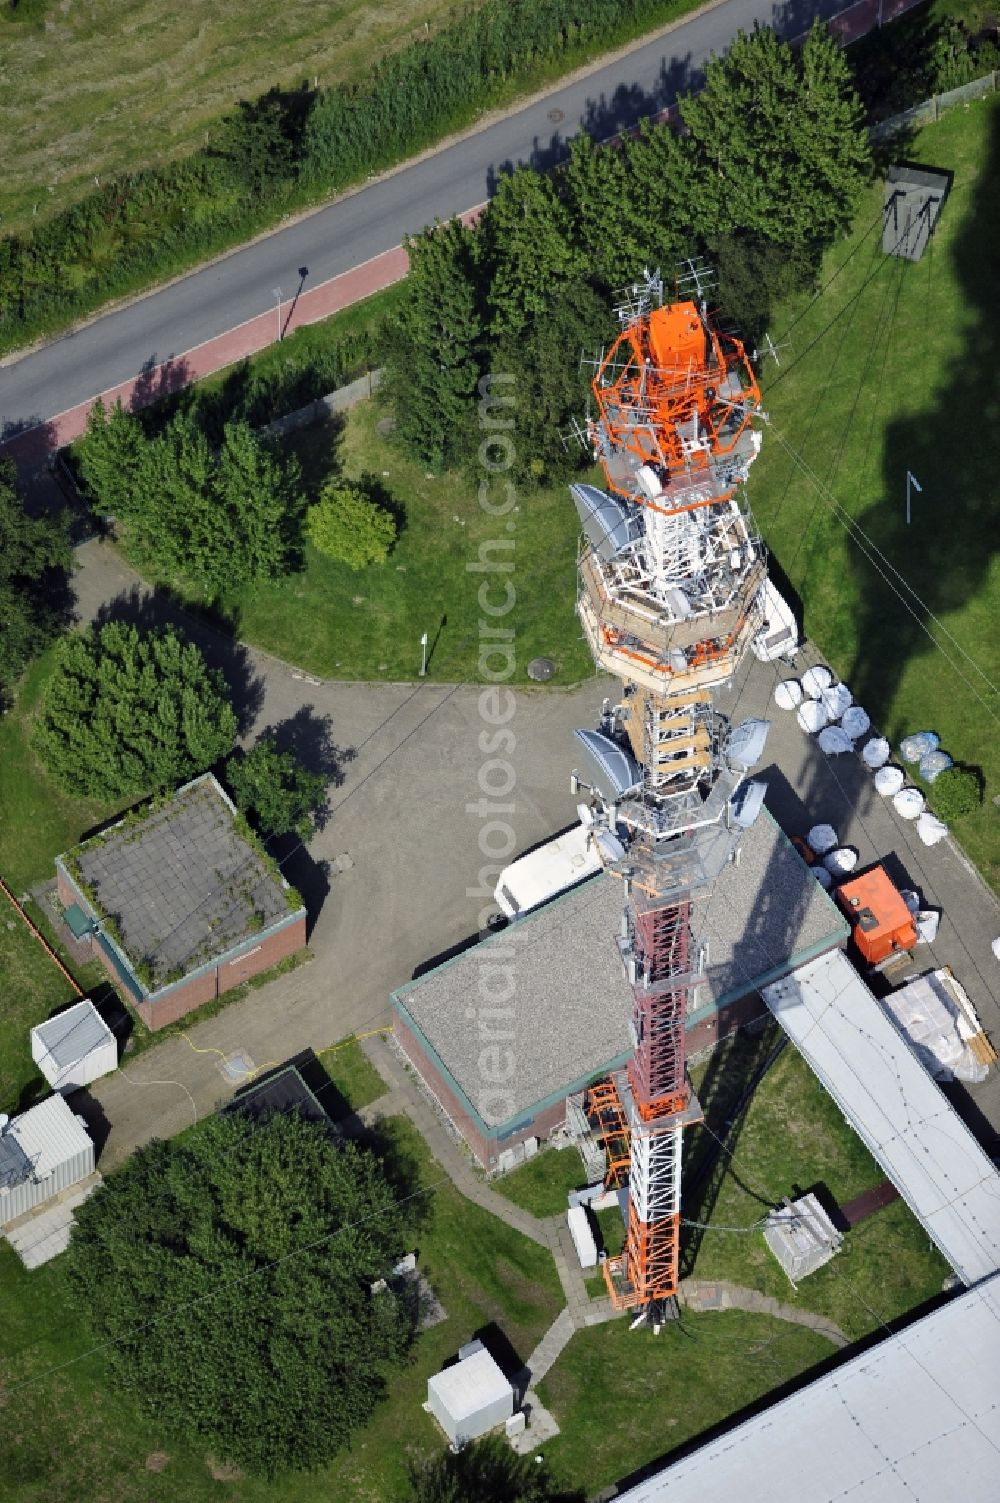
(182, 884)
(561, 1000)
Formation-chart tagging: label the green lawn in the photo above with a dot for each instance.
(33, 988)
(120, 84)
(896, 367)
(543, 1183)
(627, 1398)
(366, 624)
(70, 1436)
(37, 821)
(353, 1075)
(793, 1136)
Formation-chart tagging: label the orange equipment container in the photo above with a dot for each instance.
(881, 921)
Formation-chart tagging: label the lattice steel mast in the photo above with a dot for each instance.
(671, 575)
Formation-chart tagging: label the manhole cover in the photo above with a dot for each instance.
(541, 669)
(238, 1066)
(556, 116)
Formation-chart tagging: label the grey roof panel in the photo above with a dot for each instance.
(71, 1034)
(895, 1107)
(913, 1418)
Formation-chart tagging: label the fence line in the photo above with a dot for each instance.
(928, 111)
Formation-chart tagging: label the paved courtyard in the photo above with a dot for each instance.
(392, 879)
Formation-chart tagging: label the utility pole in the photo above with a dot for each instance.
(423, 655)
(277, 309)
(914, 483)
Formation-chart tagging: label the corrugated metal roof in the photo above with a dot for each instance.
(70, 1035)
(913, 1420)
(895, 1108)
(50, 1135)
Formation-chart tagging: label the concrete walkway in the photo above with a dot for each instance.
(581, 1310)
(699, 1295)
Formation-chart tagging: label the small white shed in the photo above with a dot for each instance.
(43, 1151)
(801, 1236)
(470, 1397)
(74, 1048)
(583, 1236)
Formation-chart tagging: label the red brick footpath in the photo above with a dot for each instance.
(319, 302)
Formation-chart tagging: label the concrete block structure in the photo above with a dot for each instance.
(43, 1152)
(802, 1237)
(74, 1048)
(471, 1397)
(503, 1033)
(180, 902)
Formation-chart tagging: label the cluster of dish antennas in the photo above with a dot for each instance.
(673, 431)
(623, 806)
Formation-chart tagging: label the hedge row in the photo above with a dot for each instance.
(290, 148)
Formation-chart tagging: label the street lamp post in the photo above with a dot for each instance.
(277, 309)
(911, 483)
(423, 656)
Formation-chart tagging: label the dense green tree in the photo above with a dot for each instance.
(550, 385)
(115, 461)
(259, 141)
(755, 275)
(666, 215)
(229, 1274)
(487, 1471)
(347, 525)
(125, 711)
(276, 789)
(608, 214)
(260, 496)
(216, 518)
(776, 140)
(432, 362)
(34, 561)
(529, 250)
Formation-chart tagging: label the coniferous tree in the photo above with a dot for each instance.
(529, 250)
(34, 560)
(125, 711)
(432, 363)
(775, 140)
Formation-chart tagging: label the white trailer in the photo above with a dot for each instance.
(779, 634)
(551, 868)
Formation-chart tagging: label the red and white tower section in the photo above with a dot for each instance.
(670, 598)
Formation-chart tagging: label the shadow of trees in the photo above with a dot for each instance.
(946, 553)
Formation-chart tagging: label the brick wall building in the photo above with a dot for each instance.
(180, 902)
(502, 1033)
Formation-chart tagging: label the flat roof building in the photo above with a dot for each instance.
(914, 1417)
(504, 1032)
(180, 902)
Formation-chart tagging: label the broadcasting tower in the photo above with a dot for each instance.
(670, 597)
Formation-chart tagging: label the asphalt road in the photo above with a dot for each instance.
(363, 224)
